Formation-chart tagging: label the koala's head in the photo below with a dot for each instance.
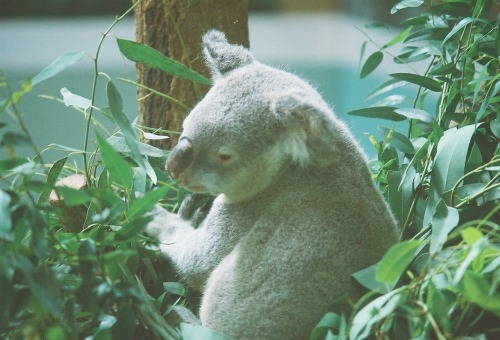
(253, 122)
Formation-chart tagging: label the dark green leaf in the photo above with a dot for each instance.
(449, 164)
(426, 82)
(175, 288)
(438, 307)
(445, 69)
(11, 163)
(119, 170)
(464, 22)
(406, 4)
(144, 54)
(396, 260)
(131, 229)
(498, 36)
(455, 8)
(371, 63)
(60, 64)
(427, 34)
(52, 176)
(330, 321)
(384, 112)
(399, 197)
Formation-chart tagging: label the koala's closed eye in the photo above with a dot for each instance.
(225, 156)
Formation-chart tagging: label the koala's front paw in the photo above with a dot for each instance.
(159, 226)
(195, 207)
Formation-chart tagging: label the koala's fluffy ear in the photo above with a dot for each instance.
(303, 124)
(221, 56)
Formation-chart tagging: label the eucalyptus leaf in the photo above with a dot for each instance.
(60, 64)
(141, 53)
(371, 63)
(5, 216)
(444, 220)
(396, 260)
(406, 4)
(118, 169)
(384, 112)
(71, 99)
(426, 82)
(52, 177)
(147, 202)
(198, 332)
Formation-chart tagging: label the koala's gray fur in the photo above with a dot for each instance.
(296, 211)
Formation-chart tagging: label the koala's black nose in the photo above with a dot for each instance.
(180, 158)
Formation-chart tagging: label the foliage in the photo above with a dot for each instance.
(80, 267)
(441, 180)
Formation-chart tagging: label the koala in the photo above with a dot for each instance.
(296, 211)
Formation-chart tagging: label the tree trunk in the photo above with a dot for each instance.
(175, 28)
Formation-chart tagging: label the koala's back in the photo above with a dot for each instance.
(308, 235)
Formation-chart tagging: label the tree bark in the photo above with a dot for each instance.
(175, 28)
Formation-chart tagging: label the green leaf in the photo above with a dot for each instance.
(384, 112)
(385, 87)
(449, 164)
(366, 277)
(175, 288)
(478, 290)
(131, 229)
(60, 64)
(147, 202)
(406, 4)
(116, 107)
(471, 235)
(52, 176)
(399, 196)
(330, 321)
(119, 170)
(396, 260)
(120, 145)
(425, 82)
(371, 63)
(372, 313)
(73, 197)
(144, 54)
(444, 220)
(196, 332)
(464, 22)
(399, 38)
(415, 114)
(438, 306)
(11, 163)
(498, 36)
(398, 140)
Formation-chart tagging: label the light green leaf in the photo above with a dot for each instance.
(386, 87)
(399, 38)
(444, 220)
(73, 197)
(5, 216)
(406, 4)
(371, 63)
(396, 260)
(366, 277)
(116, 107)
(398, 140)
(374, 312)
(119, 170)
(415, 114)
(329, 321)
(11, 163)
(147, 202)
(477, 290)
(120, 145)
(471, 235)
(60, 64)
(144, 54)
(426, 82)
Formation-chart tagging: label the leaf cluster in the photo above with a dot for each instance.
(441, 179)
